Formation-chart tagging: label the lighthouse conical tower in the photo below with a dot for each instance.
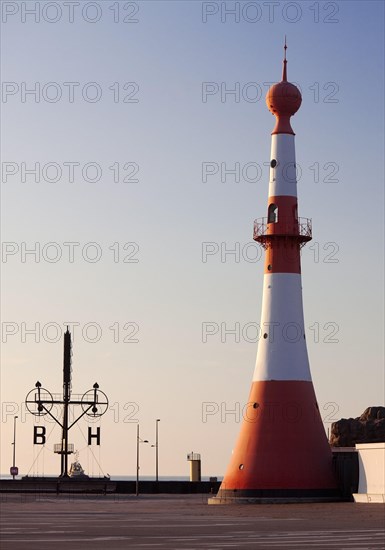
(282, 452)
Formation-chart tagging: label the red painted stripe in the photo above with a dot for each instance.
(283, 252)
(287, 207)
(283, 256)
(282, 442)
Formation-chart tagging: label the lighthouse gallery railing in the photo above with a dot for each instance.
(300, 229)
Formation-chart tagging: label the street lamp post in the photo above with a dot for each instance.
(157, 451)
(138, 441)
(14, 447)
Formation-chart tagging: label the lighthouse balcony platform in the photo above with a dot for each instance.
(299, 230)
(59, 449)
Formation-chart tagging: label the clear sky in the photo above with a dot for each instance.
(126, 142)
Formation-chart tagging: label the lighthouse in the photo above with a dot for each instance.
(282, 453)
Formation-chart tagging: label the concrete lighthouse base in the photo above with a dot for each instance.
(219, 500)
(275, 497)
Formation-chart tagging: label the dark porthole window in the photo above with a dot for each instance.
(269, 267)
(265, 335)
(255, 405)
(241, 466)
(273, 163)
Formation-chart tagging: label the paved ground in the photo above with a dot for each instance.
(185, 523)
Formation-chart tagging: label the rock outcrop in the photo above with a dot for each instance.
(368, 428)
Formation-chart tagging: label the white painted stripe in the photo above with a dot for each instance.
(283, 179)
(282, 355)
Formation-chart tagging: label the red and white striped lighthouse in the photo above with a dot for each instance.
(282, 452)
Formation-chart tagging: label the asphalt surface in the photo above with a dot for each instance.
(184, 522)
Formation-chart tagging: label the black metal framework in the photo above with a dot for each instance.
(39, 402)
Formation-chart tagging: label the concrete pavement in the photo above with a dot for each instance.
(185, 522)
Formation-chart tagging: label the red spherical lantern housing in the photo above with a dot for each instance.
(283, 100)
